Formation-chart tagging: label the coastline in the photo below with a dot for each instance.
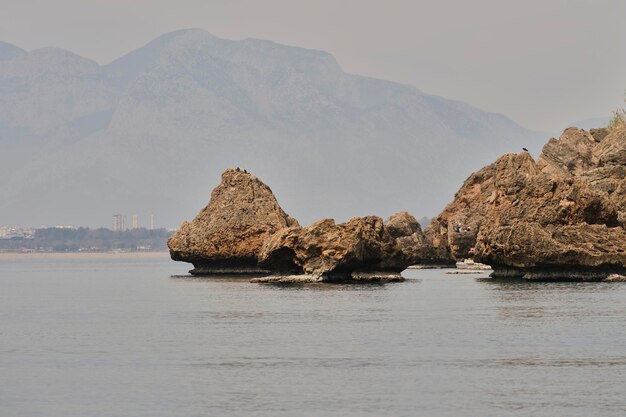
(83, 255)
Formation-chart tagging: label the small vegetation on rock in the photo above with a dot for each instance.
(619, 118)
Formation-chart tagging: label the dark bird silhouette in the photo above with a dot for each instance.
(525, 150)
(245, 171)
(237, 169)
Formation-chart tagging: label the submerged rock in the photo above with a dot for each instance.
(362, 249)
(558, 218)
(287, 279)
(227, 235)
(353, 277)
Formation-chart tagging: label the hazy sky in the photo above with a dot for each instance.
(545, 63)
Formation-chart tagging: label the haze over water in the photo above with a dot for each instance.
(124, 338)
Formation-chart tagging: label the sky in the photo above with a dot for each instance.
(544, 63)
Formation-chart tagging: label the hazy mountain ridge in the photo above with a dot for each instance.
(152, 131)
(9, 51)
(46, 90)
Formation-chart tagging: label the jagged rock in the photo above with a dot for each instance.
(452, 234)
(571, 153)
(557, 218)
(612, 148)
(226, 236)
(573, 252)
(410, 239)
(599, 134)
(360, 249)
(601, 161)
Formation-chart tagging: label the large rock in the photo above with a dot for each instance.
(571, 252)
(360, 249)
(558, 218)
(226, 236)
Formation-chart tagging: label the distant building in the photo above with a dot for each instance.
(135, 222)
(152, 222)
(119, 223)
(65, 226)
(16, 232)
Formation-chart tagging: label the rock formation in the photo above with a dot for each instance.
(410, 239)
(226, 236)
(599, 158)
(360, 249)
(561, 217)
(243, 230)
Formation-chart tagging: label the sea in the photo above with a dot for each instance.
(112, 337)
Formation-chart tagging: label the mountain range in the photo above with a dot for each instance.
(152, 131)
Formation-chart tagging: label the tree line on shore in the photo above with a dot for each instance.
(84, 239)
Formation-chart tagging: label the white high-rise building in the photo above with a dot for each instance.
(135, 221)
(119, 223)
(152, 222)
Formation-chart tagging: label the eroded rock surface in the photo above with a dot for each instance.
(363, 248)
(408, 234)
(227, 235)
(560, 217)
(604, 157)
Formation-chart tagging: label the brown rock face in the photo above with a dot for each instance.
(571, 153)
(226, 236)
(347, 250)
(410, 239)
(558, 218)
(602, 162)
(572, 252)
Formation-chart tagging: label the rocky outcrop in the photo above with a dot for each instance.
(407, 232)
(227, 235)
(571, 153)
(560, 217)
(597, 156)
(579, 252)
(243, 230)
(361, 249)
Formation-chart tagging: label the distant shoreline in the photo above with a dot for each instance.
(84, 255)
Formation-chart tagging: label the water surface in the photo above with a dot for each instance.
(102, 337)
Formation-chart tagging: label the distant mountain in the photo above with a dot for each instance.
(8, 51)
(152, 131)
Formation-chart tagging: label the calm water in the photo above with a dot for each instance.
(124, 338)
